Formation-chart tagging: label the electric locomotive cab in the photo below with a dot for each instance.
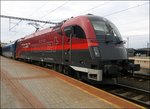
(110, 52)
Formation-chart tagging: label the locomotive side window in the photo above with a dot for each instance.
(78, 32)
(68, 31)
(58, 30)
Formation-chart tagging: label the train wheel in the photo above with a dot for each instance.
(60, 68)
(78, 75)
(66, 70)
(42, 64)
(55, 67)
(47, 65)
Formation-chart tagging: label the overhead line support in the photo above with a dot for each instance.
(27, 19)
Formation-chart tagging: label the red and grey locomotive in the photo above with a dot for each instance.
(89, 46)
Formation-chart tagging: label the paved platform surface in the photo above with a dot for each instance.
(29, 86)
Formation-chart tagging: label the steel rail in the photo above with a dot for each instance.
(134, 88)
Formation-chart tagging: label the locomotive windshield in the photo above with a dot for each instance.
(106, 31)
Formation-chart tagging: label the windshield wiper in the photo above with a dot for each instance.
(119, 42)
(108, 41)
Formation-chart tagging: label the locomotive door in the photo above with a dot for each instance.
(67, 44)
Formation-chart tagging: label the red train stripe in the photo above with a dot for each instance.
(58, 47)
(45, 47)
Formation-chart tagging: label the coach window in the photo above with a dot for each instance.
(78, 32)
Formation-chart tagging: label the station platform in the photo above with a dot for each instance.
(28, 86)
(143, 61)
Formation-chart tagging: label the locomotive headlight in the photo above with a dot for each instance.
(96, 51)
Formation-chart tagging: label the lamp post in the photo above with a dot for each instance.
(148, 46)
(127, 42)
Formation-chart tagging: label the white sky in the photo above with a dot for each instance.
(132, 23)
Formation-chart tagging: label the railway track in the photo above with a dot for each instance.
(138, 96)
(133, 88)
(135, 82)
(142, 76)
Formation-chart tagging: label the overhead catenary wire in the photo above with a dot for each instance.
(126, 9)
(53, 10)
(97, 7)
(28, 16)
(26, 19)
(94, 7)
(14, 25)
(87, 10)
(132, 22)
(32, 14)
(35, 11)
